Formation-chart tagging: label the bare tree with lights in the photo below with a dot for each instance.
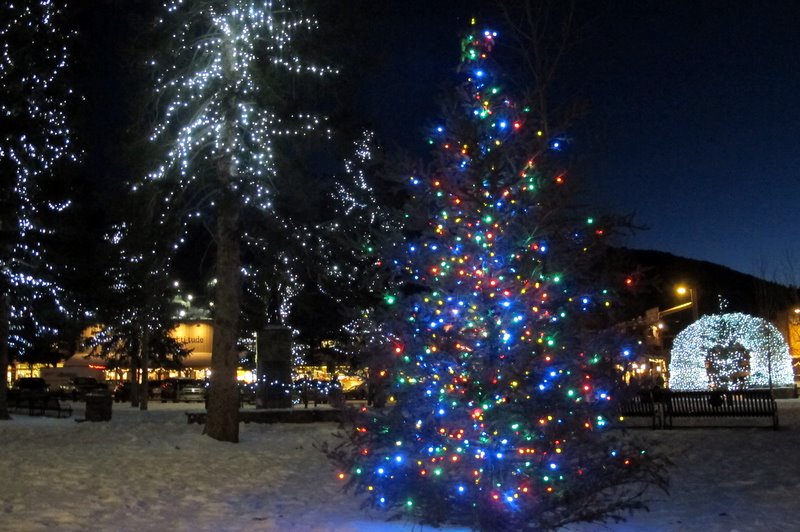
(138, 314)
(35, 138)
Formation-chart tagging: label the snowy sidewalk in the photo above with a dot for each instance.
(152, 471)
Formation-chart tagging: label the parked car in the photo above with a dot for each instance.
(357, 392)
(27, 388)
(247, 392)
(154, 388)
(122, 390)
(192, 391)
(170, 388)
(77, 387)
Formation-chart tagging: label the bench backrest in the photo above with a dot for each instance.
(721, 402)
(638, 403)
(53, 402)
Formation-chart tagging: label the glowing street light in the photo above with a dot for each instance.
(692, 303)
(683, 290)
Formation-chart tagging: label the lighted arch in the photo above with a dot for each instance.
(757, 336)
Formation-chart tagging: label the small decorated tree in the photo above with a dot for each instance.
(501, 369)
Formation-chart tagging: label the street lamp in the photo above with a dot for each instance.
(683, 290)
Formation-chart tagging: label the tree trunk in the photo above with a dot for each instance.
(222, 422)
(274, 367)
(5, 317)
(144, 395)
(133, 378)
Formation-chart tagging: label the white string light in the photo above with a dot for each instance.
(34, 55)
(732, 351)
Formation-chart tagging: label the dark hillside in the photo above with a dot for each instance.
(656, 274)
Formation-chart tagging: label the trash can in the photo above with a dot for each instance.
(98, 406)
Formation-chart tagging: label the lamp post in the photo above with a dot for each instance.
(683, 290)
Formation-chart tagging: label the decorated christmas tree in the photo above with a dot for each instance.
(501, 389)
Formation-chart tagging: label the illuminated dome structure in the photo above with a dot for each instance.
(730, 351)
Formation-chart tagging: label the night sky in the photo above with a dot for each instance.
(693, 121)
(693, 124)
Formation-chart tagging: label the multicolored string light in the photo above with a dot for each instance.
(497, 387)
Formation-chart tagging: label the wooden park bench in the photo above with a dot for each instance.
(722, 403)
(641, 404)
(40, 405)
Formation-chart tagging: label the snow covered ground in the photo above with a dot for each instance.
(152, 471)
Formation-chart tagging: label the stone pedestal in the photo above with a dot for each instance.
(274, 367)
